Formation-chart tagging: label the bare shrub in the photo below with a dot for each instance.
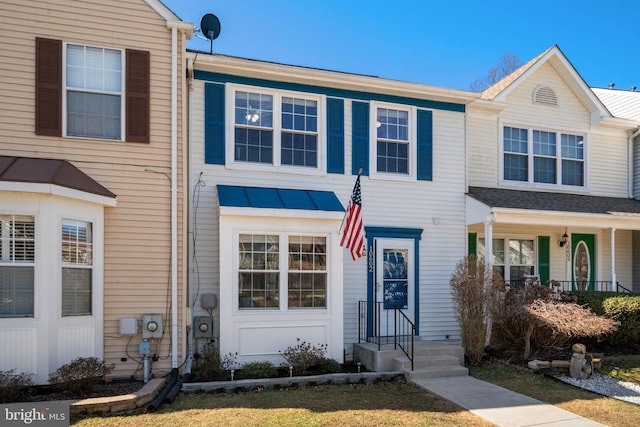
(551, 323)
(80, 375)
(474, 290)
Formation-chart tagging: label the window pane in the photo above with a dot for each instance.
(93, 115)
(16, 291)
(254, 145)
(572, 173)
(572, 146)
(515, 167)
(254, 109)
(307, 272)
(544, 143)
(544, 170)
(76, 292)
(521, 252)
(299, 149)
(77, 242)
(393, 124)
(515, 140)
(392, 157)
(258, 278)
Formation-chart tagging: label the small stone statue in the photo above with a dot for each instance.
(580, 366)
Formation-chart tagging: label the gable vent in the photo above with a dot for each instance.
(545, 95)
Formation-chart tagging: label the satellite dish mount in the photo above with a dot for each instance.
(210, 27)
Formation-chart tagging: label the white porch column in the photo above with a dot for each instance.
(613, 286)
(488, 259)
(488, 239)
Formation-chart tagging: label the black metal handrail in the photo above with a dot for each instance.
(573, 285)
(386, 326)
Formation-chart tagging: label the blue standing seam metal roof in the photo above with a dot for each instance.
(278, 198)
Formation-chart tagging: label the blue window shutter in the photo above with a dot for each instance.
(425, 145)
(335, 135)
(360, 137)
(214, 124)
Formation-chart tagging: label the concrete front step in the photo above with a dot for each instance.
(436, 372)
(426, 353)
(403, 363)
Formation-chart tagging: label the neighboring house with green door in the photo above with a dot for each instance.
(550, 189)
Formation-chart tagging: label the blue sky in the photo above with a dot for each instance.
(448, 43)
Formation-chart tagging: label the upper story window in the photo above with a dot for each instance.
(17, 261)
(277, 128)
(392, 142)
(533, 156)
(394, 148)
(92, 92)
(93, 88)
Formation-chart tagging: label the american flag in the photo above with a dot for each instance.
(353, 231)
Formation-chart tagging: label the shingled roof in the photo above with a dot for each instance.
(49, 171)
(546, 201)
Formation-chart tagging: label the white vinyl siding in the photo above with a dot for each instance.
(437, 206)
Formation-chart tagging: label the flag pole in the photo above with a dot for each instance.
(344, 217)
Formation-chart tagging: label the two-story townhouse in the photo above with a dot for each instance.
(274, 154)
(549, 190)
(91, 162)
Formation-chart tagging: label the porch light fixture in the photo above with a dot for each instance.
(564, 239)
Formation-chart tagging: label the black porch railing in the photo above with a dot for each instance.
(575, 285)
(386, 326)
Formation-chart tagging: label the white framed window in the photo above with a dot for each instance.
(275, 129)
(93, 92)
(513, 257)
(282, 271)
(393, 153)
(77, 267)
(543, 157)
(17, 263)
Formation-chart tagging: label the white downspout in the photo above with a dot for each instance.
(631, 160)
(613, 287)
(174, 197)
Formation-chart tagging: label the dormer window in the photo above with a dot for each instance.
(545, 95)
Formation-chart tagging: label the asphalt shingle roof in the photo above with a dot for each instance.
(562, 202)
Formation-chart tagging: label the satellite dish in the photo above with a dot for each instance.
(210, 26)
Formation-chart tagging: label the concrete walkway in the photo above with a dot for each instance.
(500, 406)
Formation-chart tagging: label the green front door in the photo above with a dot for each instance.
(583, 261)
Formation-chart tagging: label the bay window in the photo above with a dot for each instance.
(271, 265)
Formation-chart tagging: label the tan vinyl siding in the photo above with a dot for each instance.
(137, 231)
